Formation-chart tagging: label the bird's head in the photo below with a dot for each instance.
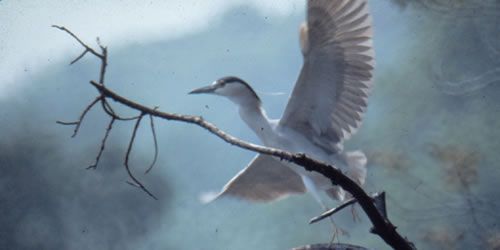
(234, 88)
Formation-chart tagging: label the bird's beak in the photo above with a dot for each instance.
(204, 90)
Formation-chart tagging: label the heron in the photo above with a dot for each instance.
(325, 108)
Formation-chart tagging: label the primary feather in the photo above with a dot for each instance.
(330, 96)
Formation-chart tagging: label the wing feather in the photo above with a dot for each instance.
(352, 14)
(331, 93)
(265, 179)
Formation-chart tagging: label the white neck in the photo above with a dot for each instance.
(255, 117)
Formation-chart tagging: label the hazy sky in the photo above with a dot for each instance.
(28, 44)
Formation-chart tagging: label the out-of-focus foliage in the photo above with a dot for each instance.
(450, 165)
(453, 72)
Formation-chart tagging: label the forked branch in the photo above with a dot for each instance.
(381, 225)
(108, 109)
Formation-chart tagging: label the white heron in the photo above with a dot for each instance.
(325, 107)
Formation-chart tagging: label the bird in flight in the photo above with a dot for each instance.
(325, 108)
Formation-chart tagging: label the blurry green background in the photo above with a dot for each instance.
(430, 133)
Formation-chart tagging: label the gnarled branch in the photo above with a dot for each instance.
(381, 225)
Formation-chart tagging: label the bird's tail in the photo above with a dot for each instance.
(356, 170)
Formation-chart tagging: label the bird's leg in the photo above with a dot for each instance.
(355, 215)
(337, 231)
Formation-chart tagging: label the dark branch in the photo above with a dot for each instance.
(351, 201)
(103, 56)
(79, 57)
(135, 182)
(103, 144)
(197, 120)
(82, 116)
(155, 141)
(66, 123)
(87, 48)
(104, 62)
(111, 112)
(381, 225)
(80, 119)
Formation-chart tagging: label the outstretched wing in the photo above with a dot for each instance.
(264, 179)
(331, 93)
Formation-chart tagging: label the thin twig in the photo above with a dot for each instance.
(137, 183)
(88, 48)
(107, 107)
(104, 62)
(82, 116)
(351, 201)
(66, 123)
(332, 211)
(79, 57)
(111, 112)
(103, 144)
(155, 141)
(80, 119)
(98, 41)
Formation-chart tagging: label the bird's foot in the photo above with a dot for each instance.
(337, 232)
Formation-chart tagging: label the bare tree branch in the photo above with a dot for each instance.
(155, 141)
(381, 225)
(79, 57)
(104, 61)
(136, 182)
(66, 123)
(379, 198)
(82, 116)
(87, 48)
(103, 144)
(108, 109)
(111, 112)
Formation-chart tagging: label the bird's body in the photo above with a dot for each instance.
(325, 108)
(272, 135)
